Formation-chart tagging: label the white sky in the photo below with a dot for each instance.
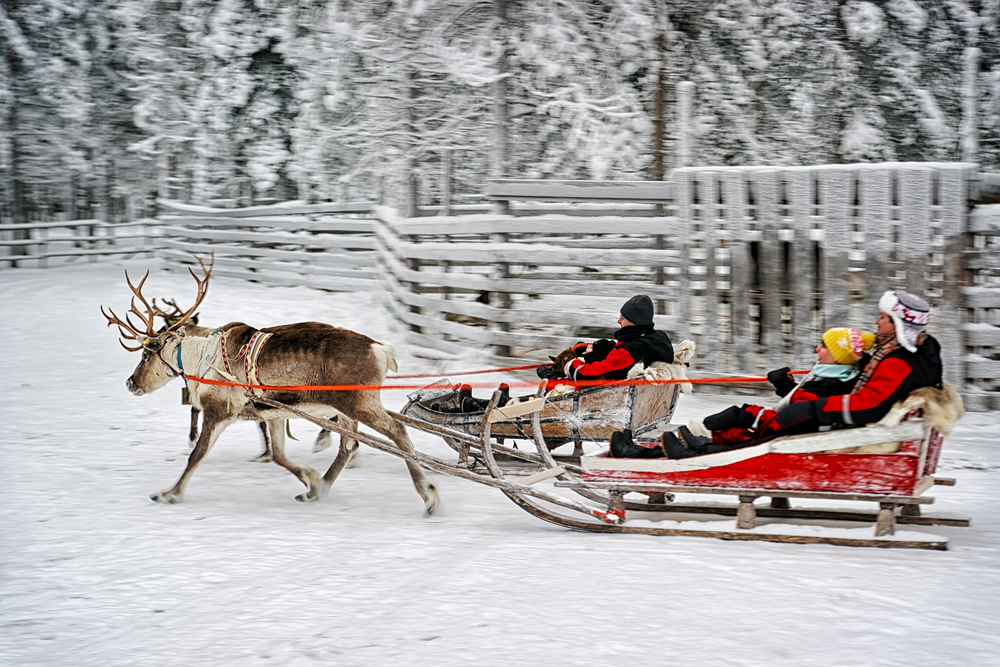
(93, 573)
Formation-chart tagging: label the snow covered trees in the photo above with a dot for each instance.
(410, 101)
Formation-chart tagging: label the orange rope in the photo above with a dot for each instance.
(488, 370)
(480, 385)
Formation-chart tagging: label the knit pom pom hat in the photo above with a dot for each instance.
(848, 345)
(909, 313)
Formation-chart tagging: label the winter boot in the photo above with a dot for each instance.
(674, 448)
(694, 442)
(682, 444)
(623, 447)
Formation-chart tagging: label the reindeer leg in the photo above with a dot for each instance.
(323, 439)
(193, 431)
(347, 441)
(211, 429)
(348, 447)
(264, 456)
(371, 412)
(305, 474)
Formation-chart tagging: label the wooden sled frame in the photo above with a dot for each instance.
(588, 414)
(608, 505)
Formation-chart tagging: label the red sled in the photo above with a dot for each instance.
(891, 460)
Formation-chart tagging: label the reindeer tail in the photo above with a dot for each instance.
(386, 355)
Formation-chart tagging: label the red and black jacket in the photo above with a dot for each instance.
(635, 344)
(896, 375)
(899, 373)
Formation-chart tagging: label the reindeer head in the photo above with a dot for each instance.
(154, 369)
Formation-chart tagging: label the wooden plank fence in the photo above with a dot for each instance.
(753, 263)
(35, 244)
(323, 246)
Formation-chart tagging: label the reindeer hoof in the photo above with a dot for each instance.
(306, 498)
(164, 497)
(433, 500)
(263, 458)
(322, 443)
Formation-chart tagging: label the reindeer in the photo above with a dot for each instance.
(303, 354)
(191, 328)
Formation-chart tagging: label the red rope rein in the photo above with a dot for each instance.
(488, 370)
(479, 385)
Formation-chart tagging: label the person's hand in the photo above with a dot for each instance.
(781, 381)
(804, 411)
(779, 375)
(549, 372)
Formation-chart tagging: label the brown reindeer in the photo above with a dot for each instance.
(294, 355)
(194, 330)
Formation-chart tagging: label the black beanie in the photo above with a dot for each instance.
(638, 310)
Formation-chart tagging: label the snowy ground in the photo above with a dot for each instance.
(93, 573)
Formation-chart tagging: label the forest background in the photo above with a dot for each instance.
(106, 105)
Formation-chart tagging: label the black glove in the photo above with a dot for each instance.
(782, 383)
(549, 372)
(731, 417)
(602, 348)
(804, 411)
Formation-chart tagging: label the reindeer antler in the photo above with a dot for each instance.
(202, 291)
(126, 328)
(167, 317)
(130, 331)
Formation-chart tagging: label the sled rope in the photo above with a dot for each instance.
(479, 385)
(488, 370)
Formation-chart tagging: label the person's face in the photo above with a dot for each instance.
(622, 322)
(884, 325)
(823, 355)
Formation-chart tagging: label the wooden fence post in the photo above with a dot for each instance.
(708, 194)
(915, 197)
(683, 179)
(949, 317)
(772, 267)
(799, 190)
(876, 193)
(735, 193)
(835, 284)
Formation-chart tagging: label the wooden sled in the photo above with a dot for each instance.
(589, 414)
(889, 466)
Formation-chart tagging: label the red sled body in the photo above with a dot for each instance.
(895, 460)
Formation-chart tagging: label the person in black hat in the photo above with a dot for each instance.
(636, 341)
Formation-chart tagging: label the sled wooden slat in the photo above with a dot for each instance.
(758, 492)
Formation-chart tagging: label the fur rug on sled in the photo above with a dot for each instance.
(659, 370)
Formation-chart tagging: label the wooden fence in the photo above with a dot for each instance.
(323, 246)
(38, 244)
(753, 263)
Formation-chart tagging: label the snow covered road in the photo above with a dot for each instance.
(94, 574)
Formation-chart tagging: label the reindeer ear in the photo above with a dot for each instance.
(153, 344)
(552, 358)
(194, 319)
